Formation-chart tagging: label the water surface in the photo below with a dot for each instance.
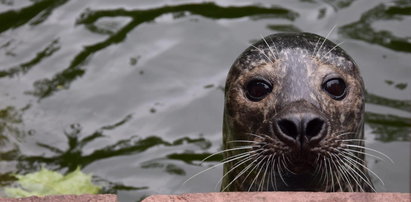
(132, 91)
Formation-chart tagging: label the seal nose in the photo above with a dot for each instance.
(301, 128)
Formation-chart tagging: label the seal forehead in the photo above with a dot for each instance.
(271, 47)
(297, 66)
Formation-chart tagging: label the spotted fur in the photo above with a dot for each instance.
(296, 65)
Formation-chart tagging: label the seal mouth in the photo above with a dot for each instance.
(302, 166)
(302, 162)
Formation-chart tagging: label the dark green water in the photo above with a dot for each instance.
(131, 91)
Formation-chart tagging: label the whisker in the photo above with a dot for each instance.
(258, 174)
(354, 163)
(263, 176)
(349, 140)
(273, 180)
(325, 39)
(252, 170)
(346, 133)
(338, 177)
(242, 141)
(332, 178)
(325, 179)
(265, 172)
(280, 172)
(240, 154)
(322, 165)
(275, 47)
(340, 168)
(332, 49)
(367, 181)
(241, 173)
(367, 148)
(364, 167)
(349, 171)
(361, 152)
(284, 164)
(262, 51)
(352, 155)
(315, 48)
(361, 162)
(317, 166)
(255, 135)
(268, 137)
(269, 171)
(271, 50)
(226, 150)
(234, 167)
(243, 155)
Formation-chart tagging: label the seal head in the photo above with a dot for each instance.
(293, 118)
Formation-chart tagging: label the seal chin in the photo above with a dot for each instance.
(299, 181)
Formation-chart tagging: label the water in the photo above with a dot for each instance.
(132, 91)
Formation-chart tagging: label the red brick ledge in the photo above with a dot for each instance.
(66, 198)
(283, 196)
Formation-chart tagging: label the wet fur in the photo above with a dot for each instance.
(296, 65)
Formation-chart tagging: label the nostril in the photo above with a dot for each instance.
(314, 127)
(301, 129)
(288, 128)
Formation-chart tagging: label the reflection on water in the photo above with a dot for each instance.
(363, 30)
(389, 127)
(10, 118)
(74, 156)
(34, 14)
(62, 80)
(26, 66)
(50, 82)
(400, 86)
(284, 28)
(394, 103)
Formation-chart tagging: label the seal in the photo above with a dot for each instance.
(294, 118)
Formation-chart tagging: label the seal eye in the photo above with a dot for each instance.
(336, 88)
(257, 89)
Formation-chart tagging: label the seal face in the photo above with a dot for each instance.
(293, 118)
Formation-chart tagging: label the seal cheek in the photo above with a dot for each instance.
(244, 111)
(231, 102)
(353, 105)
